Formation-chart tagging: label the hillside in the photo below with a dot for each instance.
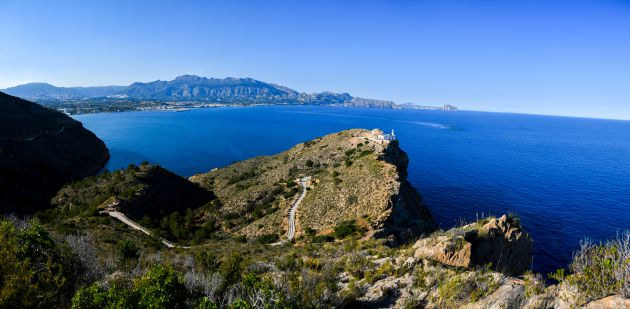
(176, 208)
(40, 150)
(354, 178)
(48, 91)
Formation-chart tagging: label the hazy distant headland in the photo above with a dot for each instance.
(189, 91)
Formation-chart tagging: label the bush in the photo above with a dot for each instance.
(161, 287)
(96, 297)
(267, 238)
(466, 288)
(127, 249)
(34, 271)
(322, 239)
(345, 229)
(599, 270)
(231, 269)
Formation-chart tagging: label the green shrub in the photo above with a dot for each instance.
(465, 288)
(161, 287)
(352, 199)
(534, 284)
(267, 238)
(127, 249)
(345, 229)
(599, 270)
(34, 271)
(309, 231)
(231, 268)
(96, 297)
(322, 239)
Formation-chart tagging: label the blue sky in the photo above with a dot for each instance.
(542, 57)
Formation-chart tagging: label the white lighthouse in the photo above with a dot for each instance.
(389, 137)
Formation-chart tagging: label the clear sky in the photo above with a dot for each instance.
(542, 57)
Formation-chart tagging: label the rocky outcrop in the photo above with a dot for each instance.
(40, 150)
(497, 241)
(371, 103)
(610, 302)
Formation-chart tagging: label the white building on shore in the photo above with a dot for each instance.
(381, 136)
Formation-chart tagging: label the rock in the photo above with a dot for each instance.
(503, 243)
(508, 295)
(40, 151)
(610, 302)
(500, 242)
(390, 292)
(452, 251)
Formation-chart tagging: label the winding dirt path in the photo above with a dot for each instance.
(293, 209)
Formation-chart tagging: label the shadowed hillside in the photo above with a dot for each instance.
(40, 150)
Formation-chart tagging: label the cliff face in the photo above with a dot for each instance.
(40, 150)
(354, 176)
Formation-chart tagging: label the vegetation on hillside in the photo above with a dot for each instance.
(352, 178)
(171, 206)
(599, 269)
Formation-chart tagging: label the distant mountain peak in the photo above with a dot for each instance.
(188, 77)
(193, 88)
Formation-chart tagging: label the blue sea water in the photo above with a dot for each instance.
(567, 178)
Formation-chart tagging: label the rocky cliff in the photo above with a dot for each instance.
(40, 150)
(497, 241)
(354, 177)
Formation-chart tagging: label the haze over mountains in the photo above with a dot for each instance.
(194, 88)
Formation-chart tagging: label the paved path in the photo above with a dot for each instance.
(120, 216)
(293, 209)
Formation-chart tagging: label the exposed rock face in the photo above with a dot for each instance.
(508, 295)
(610, 302)
(361, 102)
(354, 177)
(40, 150)
(500, 241)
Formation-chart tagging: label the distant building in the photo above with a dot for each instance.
(386, 137)
(448, 107)
(389, 137)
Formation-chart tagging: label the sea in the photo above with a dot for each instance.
(566, 178)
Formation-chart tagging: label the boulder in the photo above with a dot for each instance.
(500, 242)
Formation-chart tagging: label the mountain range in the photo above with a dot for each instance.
(187, 88)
